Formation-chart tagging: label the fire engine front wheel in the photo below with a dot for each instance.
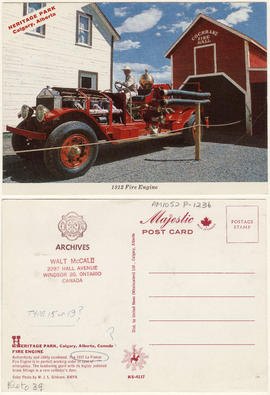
(75, 154)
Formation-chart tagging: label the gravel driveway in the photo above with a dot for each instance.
(226, 159)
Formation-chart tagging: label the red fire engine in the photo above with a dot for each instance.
(67, 125)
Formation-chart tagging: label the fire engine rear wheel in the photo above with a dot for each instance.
(21, 143)
(189, 134)
(74, 157)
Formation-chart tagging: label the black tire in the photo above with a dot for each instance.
(59, 162)
(188, 133)
(21, 143)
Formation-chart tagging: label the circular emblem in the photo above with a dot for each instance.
(72, 226)
(135, 359)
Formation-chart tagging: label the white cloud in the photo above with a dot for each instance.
(223, 21)
(187, 5)
(135, 67)
(160, 27)
(177, 26)
(127, 44)
(179, 14)
(141, 22)
(207, 10)
(158, 34)
(121, 11)
(160, 76)
(239, 5)
(235, 17)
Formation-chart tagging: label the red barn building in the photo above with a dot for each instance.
(227, 63)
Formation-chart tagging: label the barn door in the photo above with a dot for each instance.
(205, 59)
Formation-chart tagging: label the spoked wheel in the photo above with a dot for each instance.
(75, 154)
(75, 151)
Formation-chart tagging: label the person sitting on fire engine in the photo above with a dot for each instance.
(129, 83)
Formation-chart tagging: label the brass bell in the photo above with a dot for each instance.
(146, 80)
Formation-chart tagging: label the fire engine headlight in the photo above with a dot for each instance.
(40, 112)
(26, 111)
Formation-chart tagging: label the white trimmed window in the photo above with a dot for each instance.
(88, 79)
(32, 7)
(84, 29)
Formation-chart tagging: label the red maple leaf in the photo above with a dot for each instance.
(206, 221)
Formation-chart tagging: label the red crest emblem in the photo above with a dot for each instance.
(72, 226)
(135, 359)
(206, 222)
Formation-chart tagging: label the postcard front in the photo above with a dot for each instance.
(148, 295)
(134, 98)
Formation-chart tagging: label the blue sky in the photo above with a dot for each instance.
(149, 29)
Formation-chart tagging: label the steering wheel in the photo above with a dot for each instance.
(119, 86)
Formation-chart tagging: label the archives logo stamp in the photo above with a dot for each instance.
(72, 226)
